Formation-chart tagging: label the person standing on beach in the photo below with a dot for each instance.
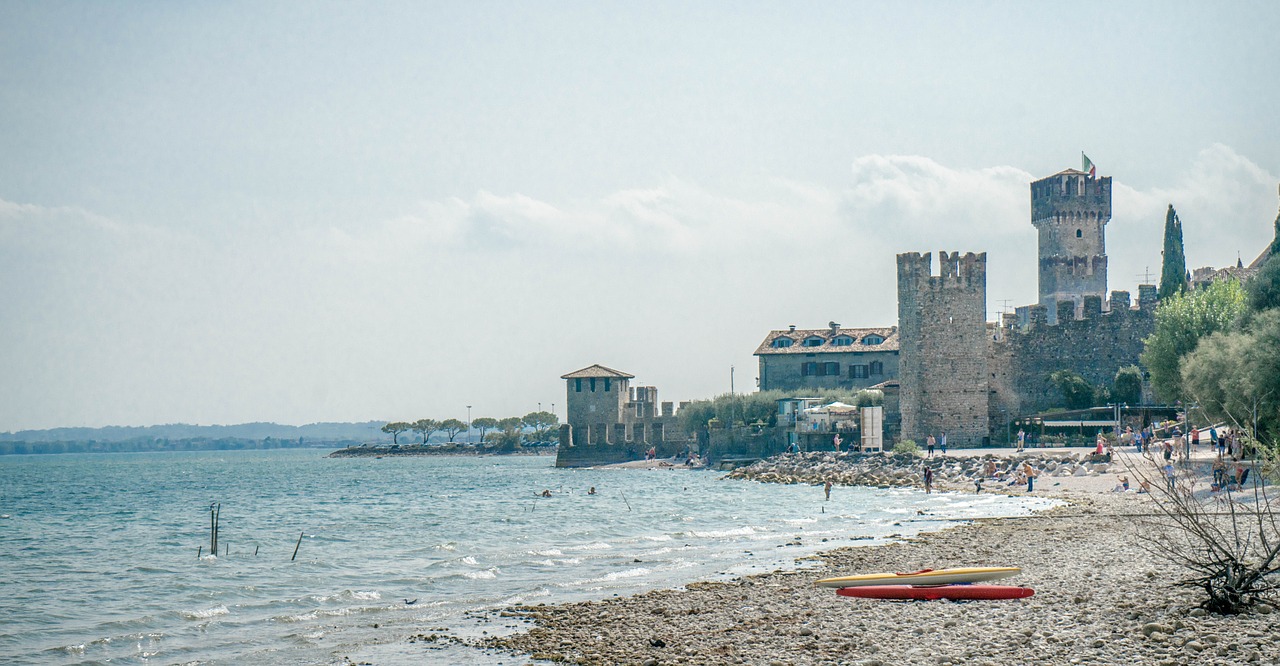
(826, 488)
(1022, 439)
(929, 444)
(943, 442)
(1031, 476)
(928, 480)
(1170, 475)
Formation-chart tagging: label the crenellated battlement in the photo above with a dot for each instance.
(956, 270)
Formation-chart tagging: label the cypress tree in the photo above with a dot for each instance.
(1173, 273)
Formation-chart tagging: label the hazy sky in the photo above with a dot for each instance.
(298, 212)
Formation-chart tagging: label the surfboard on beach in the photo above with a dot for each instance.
(924, 577)
(933, 592)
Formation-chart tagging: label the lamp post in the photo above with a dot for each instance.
(468, 424)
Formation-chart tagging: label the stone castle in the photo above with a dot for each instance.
(944, 368)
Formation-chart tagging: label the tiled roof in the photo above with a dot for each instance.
(1069, 172)
(798, 336)
(597, 370)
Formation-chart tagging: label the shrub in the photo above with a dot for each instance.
(907, 446)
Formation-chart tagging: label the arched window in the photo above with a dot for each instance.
(782, 342)
(814, 341)
(841, 341)
(1078, 234)
(872, 339)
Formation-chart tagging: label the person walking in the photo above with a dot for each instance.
(826, 488)
(929, 444)
(943, 442)
(928, 480)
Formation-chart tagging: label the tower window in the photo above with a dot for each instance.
(607, 382)
(577, 384)
(593, 384)
(1078, 234)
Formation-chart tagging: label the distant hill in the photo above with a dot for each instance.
(184, 437)
(367, 431)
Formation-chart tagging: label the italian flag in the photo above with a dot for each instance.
(1087, 165)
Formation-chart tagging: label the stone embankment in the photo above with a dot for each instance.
(901, 469)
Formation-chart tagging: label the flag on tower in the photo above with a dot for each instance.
(1087, 165)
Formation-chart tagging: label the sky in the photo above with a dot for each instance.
(218, 213)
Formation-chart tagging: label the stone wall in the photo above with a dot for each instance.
(1095, 345)
(943, 343)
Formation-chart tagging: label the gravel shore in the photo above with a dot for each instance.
(1101, 598)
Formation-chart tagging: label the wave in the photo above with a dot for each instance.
(720, 534)
(205, 613)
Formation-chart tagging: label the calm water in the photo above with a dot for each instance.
(98, 552)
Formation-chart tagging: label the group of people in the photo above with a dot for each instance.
(930, 443)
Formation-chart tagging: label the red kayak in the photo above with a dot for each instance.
(930, 592)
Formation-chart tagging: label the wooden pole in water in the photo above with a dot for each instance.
(624, 499)
(295, 548)
(212, 540)
(217, 527)
(255, 551)
(199, 552)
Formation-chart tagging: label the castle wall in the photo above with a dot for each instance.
(617, 425)
(942, 333)
(1095, 346)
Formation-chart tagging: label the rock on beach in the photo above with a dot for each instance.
(1101, 596)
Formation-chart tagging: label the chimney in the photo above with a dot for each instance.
(793, 328)
(834, 326)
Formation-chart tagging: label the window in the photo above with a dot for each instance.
(577, 385)
(872, 339)
(830, 369)
(808, 369)
(1078, 234)
(841, 341)
(607, 382)
(858, 371)
(593, 384)
(877, 368)
(782, 342)
(815, 341)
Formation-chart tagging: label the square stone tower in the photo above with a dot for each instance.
(596, 403)
(1070, 209)
(942, 331)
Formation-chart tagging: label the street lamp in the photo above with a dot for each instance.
(468, 424)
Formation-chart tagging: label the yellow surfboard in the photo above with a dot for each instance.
(924, 577)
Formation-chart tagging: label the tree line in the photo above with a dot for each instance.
(510, 432)
(1218, 347)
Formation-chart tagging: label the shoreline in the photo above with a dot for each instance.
(1101, 598)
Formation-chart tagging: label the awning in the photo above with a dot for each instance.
(1079, 424)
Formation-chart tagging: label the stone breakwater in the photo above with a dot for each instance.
(1101, 598)
(900, 469)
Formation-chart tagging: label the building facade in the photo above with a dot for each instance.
(829, 358)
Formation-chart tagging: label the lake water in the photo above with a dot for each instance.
(98, 553)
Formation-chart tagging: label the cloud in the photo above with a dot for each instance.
(487, 299)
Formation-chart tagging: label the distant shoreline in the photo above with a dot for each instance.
(417, 450)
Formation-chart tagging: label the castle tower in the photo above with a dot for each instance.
(1070, 209)
(596, 403)
(942, 337)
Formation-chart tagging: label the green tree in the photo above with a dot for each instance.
(541, 423)
(1181, 322)
(1127, 386)
(1235, 376)
(394, 429)
(1076, 392)
(1264, 287)
(869, 398)
(512, 428)
(452, 427)
(425, 427)
(1173, 271)
(484, 424)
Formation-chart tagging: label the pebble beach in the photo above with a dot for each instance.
(1102, 597)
